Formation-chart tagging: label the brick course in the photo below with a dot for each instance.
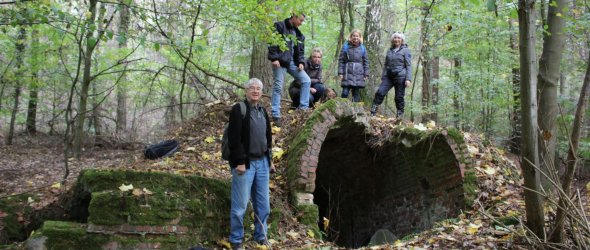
(403, 186)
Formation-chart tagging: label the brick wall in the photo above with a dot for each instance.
(402, 187)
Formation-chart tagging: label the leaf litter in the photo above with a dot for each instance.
(39, 166)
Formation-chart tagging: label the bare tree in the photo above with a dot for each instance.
(121, 88)
(528, 93)
(515, 119)
(553, 43)
(20, 54)
(372, 41)
(90, 43)
(557, 232)
(33, 85)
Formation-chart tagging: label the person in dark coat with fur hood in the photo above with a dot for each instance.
(397, 73)
(353, 66)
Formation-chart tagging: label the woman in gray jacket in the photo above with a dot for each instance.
(397, 73)
(353, 66)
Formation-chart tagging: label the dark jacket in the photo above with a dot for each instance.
(398, 64)
(314, 71)
(295, 50)
(353, 66)
(239, 136)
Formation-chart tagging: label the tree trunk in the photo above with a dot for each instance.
(171, 111)
(90, 45)
(553, 43)
(435, 77)
(563, 84)
(20, 54)
(456, 92)
(426, 51)
(515, 119)
(96, 112)
(260, 65)
(572, 157)
(372, 40)
(528, 91)
(121, 121)
(33, 86)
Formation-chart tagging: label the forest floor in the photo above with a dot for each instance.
(35, 165)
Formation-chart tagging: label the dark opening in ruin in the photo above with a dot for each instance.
(395, 189)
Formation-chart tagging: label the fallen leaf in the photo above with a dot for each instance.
(136, 192)
(326, 223)
(125, 188)
(294, 235)
(277, 153)
(191, 149)
(420, 127)
(210, 139)
(431, 124)
(56, 185)
(30, 200)
(473, 228)
(490, 171)
(310, 233)
(275, 130)
(224, 243)
(147, 192)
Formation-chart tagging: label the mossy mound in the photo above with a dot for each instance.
(160, 208)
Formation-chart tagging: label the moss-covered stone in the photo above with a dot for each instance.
(70, 235)
(13, 230)
(195, 202)
(308, 215)
(470, 187)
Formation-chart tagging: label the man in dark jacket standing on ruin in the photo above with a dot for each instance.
(291, 60)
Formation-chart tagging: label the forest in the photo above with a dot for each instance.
(88, 83)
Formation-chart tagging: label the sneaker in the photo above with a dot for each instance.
(236, 246)
(277, 121)
(374, 109)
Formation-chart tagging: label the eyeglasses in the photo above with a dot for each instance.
(254, 88)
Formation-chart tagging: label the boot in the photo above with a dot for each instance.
(399, 114)
(374, 109)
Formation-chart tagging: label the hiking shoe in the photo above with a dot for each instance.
(374, 109)
(399, 114)
(236, 246)
(277, 121)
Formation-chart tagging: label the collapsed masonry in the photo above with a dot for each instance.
(363, 180)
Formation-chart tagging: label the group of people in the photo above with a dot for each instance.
(249, 131)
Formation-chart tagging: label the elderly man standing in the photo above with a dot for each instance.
(291, 61)
(250, 144)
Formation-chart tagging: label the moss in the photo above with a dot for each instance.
(13, 229)
(308, 215)
(274, 220)
(456, 135)
(470, 188)
(70, 235)
(196, 201)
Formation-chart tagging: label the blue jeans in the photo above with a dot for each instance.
(294, 93)
(277, 87)
(253, 182)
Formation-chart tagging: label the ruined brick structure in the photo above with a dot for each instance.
(363, 182)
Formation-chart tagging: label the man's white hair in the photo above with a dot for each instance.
(254, 81)
(398, 34)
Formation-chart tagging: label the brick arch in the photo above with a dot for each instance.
(414, 173)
